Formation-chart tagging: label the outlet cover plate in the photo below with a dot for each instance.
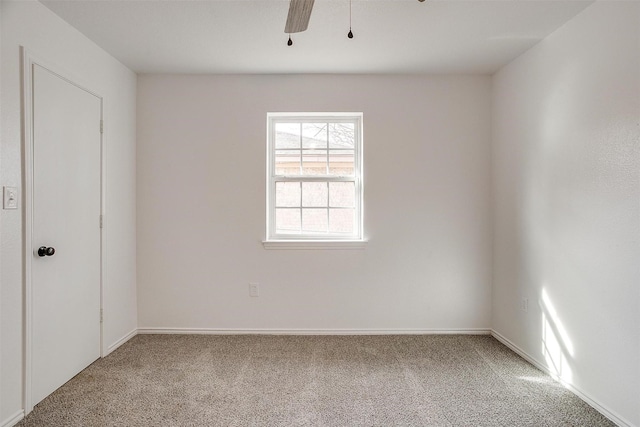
(254, 289)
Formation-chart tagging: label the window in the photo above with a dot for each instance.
(314, 177)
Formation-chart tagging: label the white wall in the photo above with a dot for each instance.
(566, 162)
(1, 96)
(201, 206)
(49, 38)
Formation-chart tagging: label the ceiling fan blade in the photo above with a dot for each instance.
(299, 14)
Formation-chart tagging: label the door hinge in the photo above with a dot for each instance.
(100, 315)
(101, 127)
(101, 222)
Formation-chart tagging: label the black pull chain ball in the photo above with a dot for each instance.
(350, 35)
(289, 42)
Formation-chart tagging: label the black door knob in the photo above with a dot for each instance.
(45, 251)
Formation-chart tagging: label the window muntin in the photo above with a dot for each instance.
(314, 176)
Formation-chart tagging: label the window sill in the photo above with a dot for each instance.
(314, 244)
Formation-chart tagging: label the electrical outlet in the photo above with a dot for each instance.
(254, 289)
(524, 304)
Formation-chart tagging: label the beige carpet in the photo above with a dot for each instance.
(180, 380)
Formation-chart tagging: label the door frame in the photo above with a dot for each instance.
(28, 60)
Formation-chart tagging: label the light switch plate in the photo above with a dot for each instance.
(10, 197)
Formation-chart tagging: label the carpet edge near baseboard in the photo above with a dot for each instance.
(594, 403)
(238, 331)
(118, 343)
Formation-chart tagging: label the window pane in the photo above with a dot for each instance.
(314, 162)
(314, 221)
(314, 194)
(287, 135)
(314, 135)
(341, 221)
(341, 135)
(287, 221)
(341, 162)
(288, 162)
(342, 194)
(314, 176)
(287, 194)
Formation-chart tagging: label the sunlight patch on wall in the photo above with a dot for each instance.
(557, 347)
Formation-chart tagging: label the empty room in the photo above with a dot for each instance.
(320, 213)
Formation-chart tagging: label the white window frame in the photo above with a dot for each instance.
(307, 240)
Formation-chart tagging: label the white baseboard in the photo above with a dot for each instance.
(233, 331)
(581, 394)
(121, 341)
(14, 419)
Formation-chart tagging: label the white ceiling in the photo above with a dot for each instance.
(247, 36)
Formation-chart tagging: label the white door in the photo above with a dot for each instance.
(65, 285)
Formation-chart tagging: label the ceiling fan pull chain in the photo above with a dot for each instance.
(350, 34)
